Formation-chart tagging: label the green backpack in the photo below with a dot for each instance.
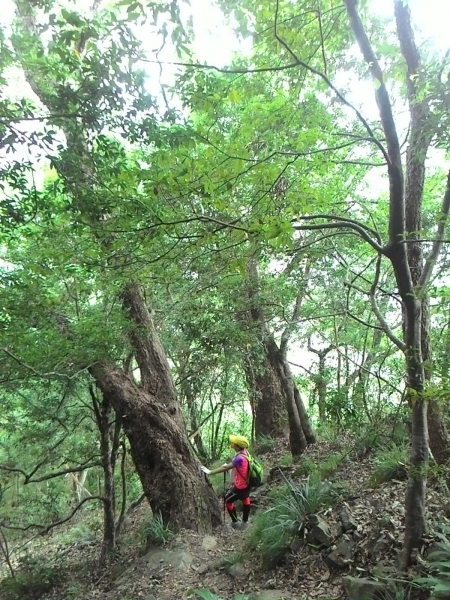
(255, 472)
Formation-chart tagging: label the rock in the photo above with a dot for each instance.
(319, 531)
(341, 557)
(363, 589)
(209, 542)
(280, 472)
(212, 566)
(348, 522)
(238, 570)
(256, 493)
(271, 595)
(296, 545)
(380, 547)
(181, 560)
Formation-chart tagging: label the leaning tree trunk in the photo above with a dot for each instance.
(162, 454)
(151, 414)
(154, 424)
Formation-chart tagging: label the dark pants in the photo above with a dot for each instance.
(234, 494)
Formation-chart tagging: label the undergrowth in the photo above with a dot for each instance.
(325, 468)
(33, 580)
(438, 567)
(272, 529)
(389, 464)
(157, 532)
(264, 443)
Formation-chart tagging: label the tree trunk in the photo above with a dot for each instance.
(321, 387)
(194, 420)
(282, 394)
(297, 437)
(161, 453)
(102, 411)
(267, 399)
(439, 438)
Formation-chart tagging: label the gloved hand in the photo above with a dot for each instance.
(205, 470)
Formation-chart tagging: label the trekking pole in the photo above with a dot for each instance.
(224, 493)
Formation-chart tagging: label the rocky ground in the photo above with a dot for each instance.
(360, 536)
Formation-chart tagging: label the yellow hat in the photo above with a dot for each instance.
(239, 440)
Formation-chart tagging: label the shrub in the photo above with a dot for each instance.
(81, 532)
(390, 464)
(236, 558)
(331, 464)
(31, 582)
(367, 442)
(158, 532)
(264, 443)
(207, 595)
(438, 564)
(285, 460)
(272, 529)
(305, 467)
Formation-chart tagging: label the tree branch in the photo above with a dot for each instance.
(437, 244)
(46, 528)
(44, 375)
(342, 224)
(394, 159)
(329, 84)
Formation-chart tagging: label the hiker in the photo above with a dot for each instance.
(240, 489)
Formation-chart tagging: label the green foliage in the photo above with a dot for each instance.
(33, 580)
(84, 531)
(264, 443)
(330, 465)
(285, 460)
(271, 530)
(438, 566)
(158, 532)
(368, 441)
(75, 589)
(207, 595)
(390, 463)
(236, 558)
(305, 468)
(325, 468)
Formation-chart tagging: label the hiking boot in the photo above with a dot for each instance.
(235, 524)
(240, 526)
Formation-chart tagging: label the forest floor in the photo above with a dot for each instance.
(221, 562)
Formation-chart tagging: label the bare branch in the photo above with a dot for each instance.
(242, 71)
(330, 85)
(77, 469)
(46, 528)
